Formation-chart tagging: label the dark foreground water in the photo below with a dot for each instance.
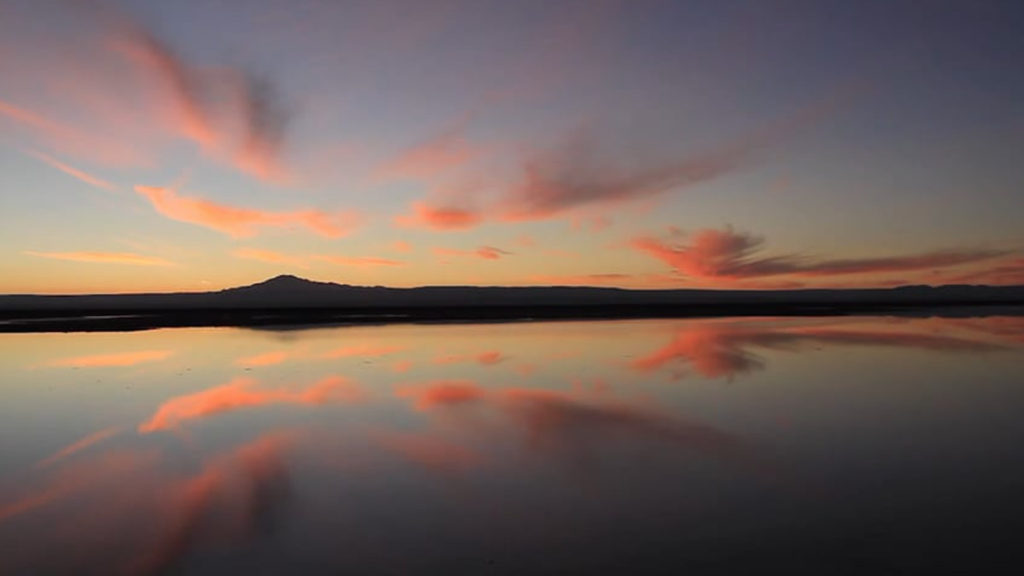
(801, 446)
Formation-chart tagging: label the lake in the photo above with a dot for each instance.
(848, 445)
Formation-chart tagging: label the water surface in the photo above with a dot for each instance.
(828, 445)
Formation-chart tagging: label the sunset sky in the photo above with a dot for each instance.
(197, 145)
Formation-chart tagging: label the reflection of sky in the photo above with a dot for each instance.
(191, 445)
(296, 136)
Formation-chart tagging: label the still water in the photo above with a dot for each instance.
(820, 446)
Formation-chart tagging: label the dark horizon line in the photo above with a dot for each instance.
(306, 281)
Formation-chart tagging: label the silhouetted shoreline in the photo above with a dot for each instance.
(287, 300)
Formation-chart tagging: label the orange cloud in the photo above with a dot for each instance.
(440, 217)
(581, 279)
(729, 255)
(74, 172)
(119, 359)
(240, 222)
(401, 246)
(1006, 272)
(242, 393)
(485, 252)
(128, 258)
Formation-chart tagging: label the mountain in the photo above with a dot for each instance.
(288, 298)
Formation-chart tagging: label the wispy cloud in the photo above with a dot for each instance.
(239, 222)
(485, 252)
(730, 255)
(431, 157)
(128, 258)
(586, 171)
(78, 142)
(425, 215)
(231, 113)
(89, 179)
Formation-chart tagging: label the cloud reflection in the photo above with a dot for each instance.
(725, 350)
(244, 393)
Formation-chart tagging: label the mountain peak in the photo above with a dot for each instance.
(285, 283)
(283, 279)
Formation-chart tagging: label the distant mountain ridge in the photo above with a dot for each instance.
(291, 292)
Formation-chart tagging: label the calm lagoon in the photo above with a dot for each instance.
(852, 445)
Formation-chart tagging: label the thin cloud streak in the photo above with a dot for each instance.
(434, 156)
(89, 179)
(126, 258)
(239, 222)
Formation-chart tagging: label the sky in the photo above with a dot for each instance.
(198, 145)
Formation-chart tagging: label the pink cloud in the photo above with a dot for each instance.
(440, 217)
(729, 255)
(241, 222)
(232, 114)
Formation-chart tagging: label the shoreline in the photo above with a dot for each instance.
(124, 320)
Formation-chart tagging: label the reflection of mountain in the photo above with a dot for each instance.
(727, 349)
(295, 299)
